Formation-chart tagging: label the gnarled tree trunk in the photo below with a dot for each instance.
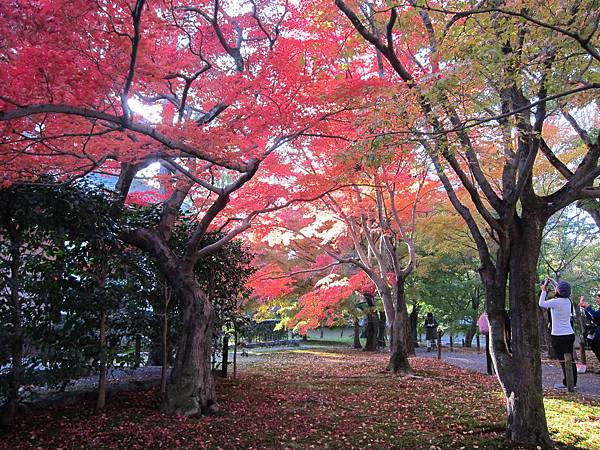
(520, 374)
(191, 388)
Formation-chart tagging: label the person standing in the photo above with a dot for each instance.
(593, 315)
(430, 330)
(562, 334)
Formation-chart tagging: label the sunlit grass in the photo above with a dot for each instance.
(573, 421)
(319, 353)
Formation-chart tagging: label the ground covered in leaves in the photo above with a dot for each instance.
(338, 399)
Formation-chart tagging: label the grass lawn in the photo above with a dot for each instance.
(317, 398)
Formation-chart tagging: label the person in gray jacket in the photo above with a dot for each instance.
(562, 334)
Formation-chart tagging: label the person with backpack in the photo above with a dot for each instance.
(592, 333)
(562, 334)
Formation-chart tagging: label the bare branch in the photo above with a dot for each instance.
(135, 42)
(301, 272)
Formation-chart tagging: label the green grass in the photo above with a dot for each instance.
(574, 421)
(341, 342)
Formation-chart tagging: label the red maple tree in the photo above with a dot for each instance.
(208, 89)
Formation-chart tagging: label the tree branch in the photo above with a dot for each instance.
(141, 128)
(135, 42)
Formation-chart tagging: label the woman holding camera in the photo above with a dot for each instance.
(562, 334)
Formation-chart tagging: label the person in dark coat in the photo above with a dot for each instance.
(430, 330)
(593, 315)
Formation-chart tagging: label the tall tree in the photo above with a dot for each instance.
(210, 89)
(368, 221)
(483, 82)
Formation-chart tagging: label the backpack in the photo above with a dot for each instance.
(484, 326)
(590, 326)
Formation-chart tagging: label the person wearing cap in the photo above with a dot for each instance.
(562, 334)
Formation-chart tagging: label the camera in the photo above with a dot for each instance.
(549, 282)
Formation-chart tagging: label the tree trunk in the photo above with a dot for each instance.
(16, 342)
(398, 355)
(520, 374)
(235, 347)
(225, 356)
(357, 343)
(414, 318)
(371, 331)
(164, 342)
(390, 312)
(381, 338)
(322, 331)
(191, 389)
(101, 401)
(388, 304)
(471, 332)
(401, 334)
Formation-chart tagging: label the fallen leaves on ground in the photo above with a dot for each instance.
(338, 399)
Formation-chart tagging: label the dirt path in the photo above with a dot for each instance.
(588, 384)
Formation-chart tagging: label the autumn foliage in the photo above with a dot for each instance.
(327, 129)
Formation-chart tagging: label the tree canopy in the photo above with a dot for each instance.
(332, 131)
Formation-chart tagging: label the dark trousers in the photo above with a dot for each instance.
(562, 345)
(595, 346)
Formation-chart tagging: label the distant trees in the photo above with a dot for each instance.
(446, 280)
